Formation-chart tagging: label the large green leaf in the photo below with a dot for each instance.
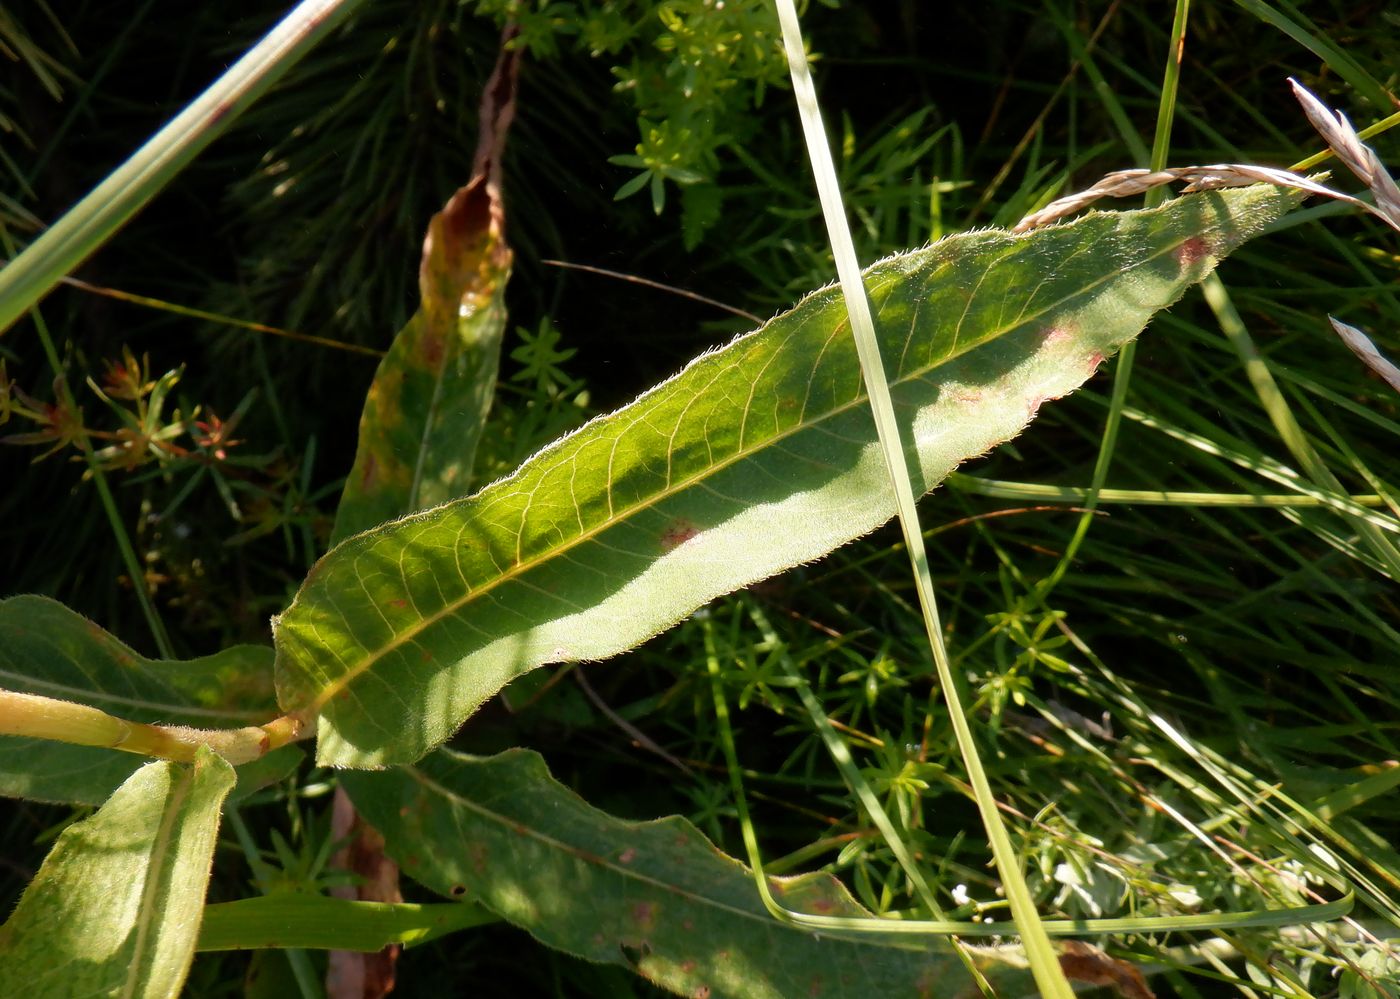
(655, 897)
(115, 908)
(49, 650)
(753, 459)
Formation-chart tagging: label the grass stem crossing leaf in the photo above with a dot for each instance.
(755, 458)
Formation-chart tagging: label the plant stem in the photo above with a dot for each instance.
(1123, 371)
(35, 717)
(134, 570)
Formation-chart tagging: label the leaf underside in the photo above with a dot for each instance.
(755, 458)
(655, 897)
(115, 908)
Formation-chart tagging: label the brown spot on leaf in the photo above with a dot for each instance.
(1191, 250)
(645, 914)
(1085, 963)
(399, 603)
(457, 891)
(432, 348)
(1095, 359)
(678, 533)
(822, 906)
(477, 853)
(369, 474)
(702, 992)
(1053, 335)
(627, 856)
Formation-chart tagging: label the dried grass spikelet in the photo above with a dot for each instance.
(1332, 125)
(1361, 345)
(1127, 183)
(1344, 142)
(1359, 158)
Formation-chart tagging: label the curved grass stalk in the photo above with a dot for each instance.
(1045, 967)
(1276, 406)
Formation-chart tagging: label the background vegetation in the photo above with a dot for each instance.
(1269, 638)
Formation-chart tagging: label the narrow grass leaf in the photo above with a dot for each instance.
(655, 897)
(293, 919)
(1280, 414)
(755, 458)
(1293, 24)
(115, 908)
(48, 650)
(92, 221)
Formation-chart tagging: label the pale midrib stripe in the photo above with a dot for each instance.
(403, 638)
(155, 869)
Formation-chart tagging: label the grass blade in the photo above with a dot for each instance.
(105, 209)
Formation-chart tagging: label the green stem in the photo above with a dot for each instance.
(295, 920)
(855, 927)
(134, 569)
(1272, 399)
(35, 717)
(1149, 497)
(1123, 371)
(1045, 966)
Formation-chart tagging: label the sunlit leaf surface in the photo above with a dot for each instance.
(753, 459)
(115, 909)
